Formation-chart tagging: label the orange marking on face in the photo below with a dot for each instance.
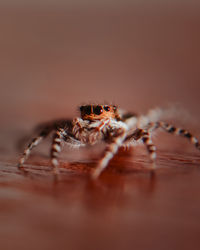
(98, 112)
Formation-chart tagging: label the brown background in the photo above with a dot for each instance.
(54, 57)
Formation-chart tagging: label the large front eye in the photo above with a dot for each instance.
(97, 110)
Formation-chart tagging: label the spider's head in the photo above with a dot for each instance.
(98, 112)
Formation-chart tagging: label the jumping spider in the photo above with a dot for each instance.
(106, 123)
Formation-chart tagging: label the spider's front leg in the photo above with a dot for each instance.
(110, 151)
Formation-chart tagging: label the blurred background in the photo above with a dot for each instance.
(56, 55)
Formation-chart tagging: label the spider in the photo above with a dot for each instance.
(107, 123)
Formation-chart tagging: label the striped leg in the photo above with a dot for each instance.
(110, 151)
(151, 148)
(177, 131)
(55, 150)
(145, 137)
(29, 148)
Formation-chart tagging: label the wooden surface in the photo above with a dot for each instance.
(53, 59)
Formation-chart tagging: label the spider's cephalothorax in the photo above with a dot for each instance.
(106, 123)
(98, 112)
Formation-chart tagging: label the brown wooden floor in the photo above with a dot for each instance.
(126, 208)
(139, 57)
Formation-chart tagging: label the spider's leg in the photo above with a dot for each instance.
(61, 134)
(110, 151)
(151, 148)
(177, 131)
(55, 150)
(144, 135)
(33, 144)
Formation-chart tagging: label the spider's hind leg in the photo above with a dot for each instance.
(59, 136)
(176, 131)
(144, 135)
(35, 141)
(151, 148)
(55, 150)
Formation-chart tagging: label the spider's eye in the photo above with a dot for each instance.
(97, 110)
(115, 108)
(107, 108)
(85, 110)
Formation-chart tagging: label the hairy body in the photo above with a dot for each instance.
(106, 123)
